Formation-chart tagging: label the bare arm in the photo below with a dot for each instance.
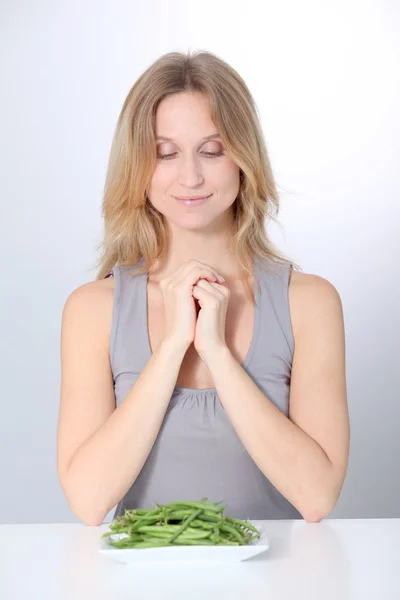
(304, 456)
(101, 449)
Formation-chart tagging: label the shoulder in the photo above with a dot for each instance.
(91, 304)
(311, 297)
(92, 293)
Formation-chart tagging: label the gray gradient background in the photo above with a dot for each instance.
(325, 77)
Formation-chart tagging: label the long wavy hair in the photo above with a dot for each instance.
(134, 231)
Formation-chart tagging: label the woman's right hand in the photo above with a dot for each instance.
(179, 303)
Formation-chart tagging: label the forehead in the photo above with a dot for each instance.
(185, 115)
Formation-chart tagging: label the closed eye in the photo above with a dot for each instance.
(209, 154)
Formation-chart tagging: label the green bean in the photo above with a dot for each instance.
(233, 531)
(211, 518)
(107, 533)
(203, 524)
(157, 544)
(146, 511)
(161, 541)
(205, 500)
(171, 530)
(180, 542)
(180, 523)
(144, 521)
(185, 525)
(156, 530)
(227, 543)
(125, 542)
(115, 525)
(178, 515)
(243, 523)
(202, 505)
(215, 535)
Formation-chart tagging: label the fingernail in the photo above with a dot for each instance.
(220, 278)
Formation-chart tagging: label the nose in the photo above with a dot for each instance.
(190, 174)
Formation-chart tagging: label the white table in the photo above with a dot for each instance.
(331, 560)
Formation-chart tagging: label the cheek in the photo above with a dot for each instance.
(161, 177)
(228, 178)
(161, 182)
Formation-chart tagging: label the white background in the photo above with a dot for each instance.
(325, 77)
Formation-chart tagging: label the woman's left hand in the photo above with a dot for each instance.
(213, 299)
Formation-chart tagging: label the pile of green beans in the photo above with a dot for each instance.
(180, 524)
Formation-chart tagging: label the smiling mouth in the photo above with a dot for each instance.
(192, 197)
(193, 201)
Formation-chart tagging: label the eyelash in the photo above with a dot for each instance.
(209, 154)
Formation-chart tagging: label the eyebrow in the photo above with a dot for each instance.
(209, 137)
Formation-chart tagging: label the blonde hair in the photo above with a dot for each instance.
(133, 229)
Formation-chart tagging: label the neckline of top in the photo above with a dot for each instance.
(257, 290)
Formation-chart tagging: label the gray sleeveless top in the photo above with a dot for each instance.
(197, 452)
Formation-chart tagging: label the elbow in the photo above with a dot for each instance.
(315, 512)
(87, 512)
(92, 522)
(312, 516)
(88, 515)
(84, 510)
(318, 506)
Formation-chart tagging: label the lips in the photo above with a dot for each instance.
(191, 202)
(192, 197)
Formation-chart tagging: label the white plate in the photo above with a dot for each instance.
(204, 554)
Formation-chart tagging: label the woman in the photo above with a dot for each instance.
(177, 384)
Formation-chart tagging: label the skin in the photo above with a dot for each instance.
(305, 454)
(200, 232)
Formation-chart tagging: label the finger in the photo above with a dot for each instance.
(207, 292)
(197, 274)
(205, 283)
(211, 287)
(202, 292)
(202, 269)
